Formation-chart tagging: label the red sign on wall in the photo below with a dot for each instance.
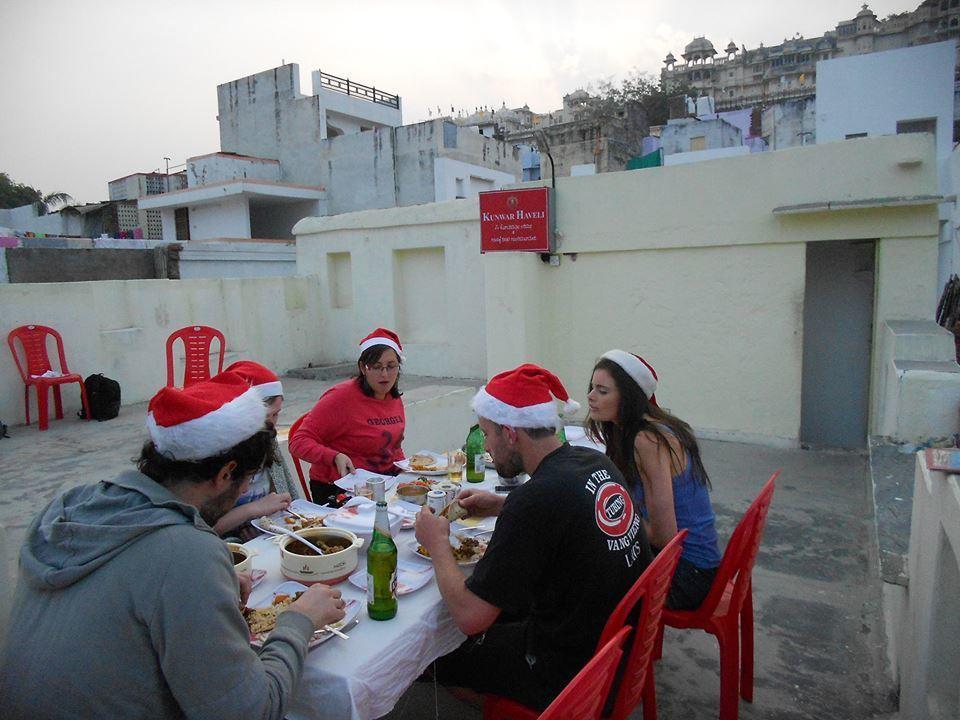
(516, 220)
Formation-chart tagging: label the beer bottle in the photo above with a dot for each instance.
(561, 433)
(476, 468)
(381, 563)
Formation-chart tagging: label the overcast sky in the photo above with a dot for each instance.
(92, 91)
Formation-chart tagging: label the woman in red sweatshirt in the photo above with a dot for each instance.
(358, 423)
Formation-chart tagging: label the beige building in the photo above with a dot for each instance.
(739, 77)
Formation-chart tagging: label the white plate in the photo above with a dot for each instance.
(411, 576)
(320, 636)
(454, 542)
(349, 482)
(439, 469)
(301, 507)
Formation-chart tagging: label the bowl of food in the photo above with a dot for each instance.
(242, 557)
(339, 556)
(413, 492)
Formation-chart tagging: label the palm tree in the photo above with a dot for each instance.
(53, 202)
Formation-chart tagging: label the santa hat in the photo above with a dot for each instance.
(524, 397)
(259, 376)
(205, 419)
(639, 369)
(382, 336)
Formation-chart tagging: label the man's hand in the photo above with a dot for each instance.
(432, 531)
(269, 504)
(322, 604)
(246, 586)
(343, 464)
(480, 503)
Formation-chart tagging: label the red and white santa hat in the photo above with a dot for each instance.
(205, 419)
(382, 336)
(524, 397)
(259, 376)
(639, 369)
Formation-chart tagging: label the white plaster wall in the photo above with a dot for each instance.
(237, 260)
(216, 168)
(168, 223)
(928, 662)
(696, 156)
(123, 329)
(871, 93)
(474, 179)
(696, 273)
(424, 259)
(229, 217)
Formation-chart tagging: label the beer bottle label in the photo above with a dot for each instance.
(478, 466)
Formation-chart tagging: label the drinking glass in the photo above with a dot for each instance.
(454, 466)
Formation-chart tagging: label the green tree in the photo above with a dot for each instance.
(14, 194)
(609, 99)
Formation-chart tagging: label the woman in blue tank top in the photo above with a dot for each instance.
(660, 459)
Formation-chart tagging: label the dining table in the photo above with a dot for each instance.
(364, 676)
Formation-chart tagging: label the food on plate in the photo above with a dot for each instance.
(488, 458)
(422, 461)
(289, 522)
(454, 511)
(470, 549)
(329, 547)
(419, 482)
(263, 620)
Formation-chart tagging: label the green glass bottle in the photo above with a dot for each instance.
(381, 563)
(561, 433)
(476, 468)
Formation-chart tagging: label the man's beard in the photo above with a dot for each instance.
(511, 466)
(216, 507)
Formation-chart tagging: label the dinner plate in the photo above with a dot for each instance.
(288, 521)
(411, 576)
(415, 546)
(440, 467)
(319, 637)
(349, 482)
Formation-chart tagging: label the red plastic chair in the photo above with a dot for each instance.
(581, 699)
(33, 338)
(728, 607)
(649, 592)
(197, 341)
(296, 461)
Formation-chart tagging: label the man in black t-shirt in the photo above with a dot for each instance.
(567, 546)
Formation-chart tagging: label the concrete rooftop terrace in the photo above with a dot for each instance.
(820, 646)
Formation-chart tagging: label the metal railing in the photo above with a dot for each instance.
(353, 89)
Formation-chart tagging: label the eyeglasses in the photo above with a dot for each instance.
(389, 368)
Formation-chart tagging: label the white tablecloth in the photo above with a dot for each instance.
(363, 677)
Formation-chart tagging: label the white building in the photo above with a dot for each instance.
(285, 155)
(894, 92)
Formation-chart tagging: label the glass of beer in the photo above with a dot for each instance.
(454, 466)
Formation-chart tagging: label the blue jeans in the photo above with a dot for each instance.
(690, 585)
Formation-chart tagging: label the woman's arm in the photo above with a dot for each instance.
(653, 461)
(267, 505)
(318, 428)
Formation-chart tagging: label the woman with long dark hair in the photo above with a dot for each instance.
(358, 423)
(660, 459)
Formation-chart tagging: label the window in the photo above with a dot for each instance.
(851, 136)
(924, 125)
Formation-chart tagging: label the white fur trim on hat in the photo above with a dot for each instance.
(270, 389)
(542, 415)
(381, 340)
(213, 433)
(635, 368)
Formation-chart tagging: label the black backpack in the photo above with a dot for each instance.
(103, 396)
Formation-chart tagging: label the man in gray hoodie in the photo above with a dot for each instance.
(128, 605)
